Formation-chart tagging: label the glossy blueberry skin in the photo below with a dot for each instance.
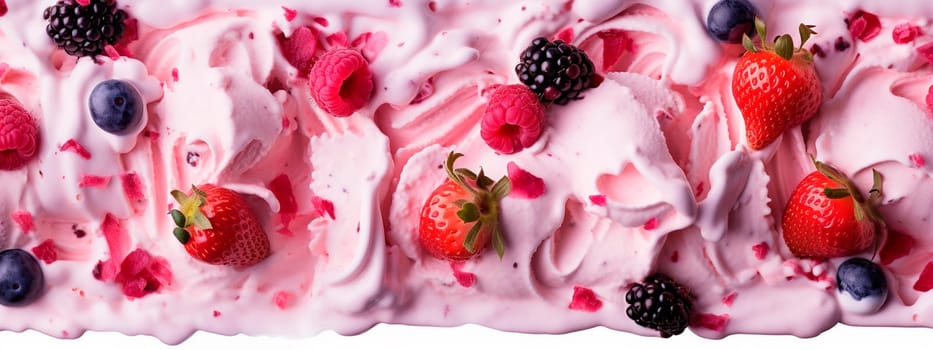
(729, 19)
(21, 278)
(116, 106)
(861, 279)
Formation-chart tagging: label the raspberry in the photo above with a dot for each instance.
(341, 81)
(513, 120)
(18, 135)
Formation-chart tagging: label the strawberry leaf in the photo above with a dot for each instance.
(202, 197)
(830, 172)
(748, 44)
(189, 208)
(469, 212)
(449, 168)
(859, 213)
(761, 29)
(502, 188)
(836, 193)
(497, 241)
(457, 175)
(200, 221)
(483, 181)
(805, 33)
(467, 173)
(451, 159)
(178, 218)
(784, 46)
(470, 241)
(877, 187)
(179, 196)
(181, 235)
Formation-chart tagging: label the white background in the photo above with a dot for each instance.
(475, 338)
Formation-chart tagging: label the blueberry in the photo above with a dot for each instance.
(116, 106)
(861, 285)
(729, 19)
(21, 279)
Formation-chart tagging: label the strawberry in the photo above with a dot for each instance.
(217, 226)
(828, 217)
(461, 216)
(775, 86)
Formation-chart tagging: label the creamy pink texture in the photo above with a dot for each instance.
(649, 172)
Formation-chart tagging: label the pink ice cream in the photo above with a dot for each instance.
(648, 172)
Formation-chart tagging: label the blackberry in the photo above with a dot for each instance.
(84, 30)
(659, 303)
(556, 71)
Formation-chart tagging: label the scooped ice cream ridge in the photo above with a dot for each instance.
(645, 172)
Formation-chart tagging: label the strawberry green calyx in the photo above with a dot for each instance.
(865, 208)
(783, 45)
(483, 210)
(190, 213)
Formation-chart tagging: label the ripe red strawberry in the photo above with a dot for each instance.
(217, 226)
(775, 86)
(828, 217)
(461, 216)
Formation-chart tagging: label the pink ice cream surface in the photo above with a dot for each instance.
(646, 172)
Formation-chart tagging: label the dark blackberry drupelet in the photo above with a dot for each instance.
(659, 303)
(84, 30)
(555, 71)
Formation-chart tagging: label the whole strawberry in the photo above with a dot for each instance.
(775, 86)
(828, 217)
(461, 216)
(217, 226)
